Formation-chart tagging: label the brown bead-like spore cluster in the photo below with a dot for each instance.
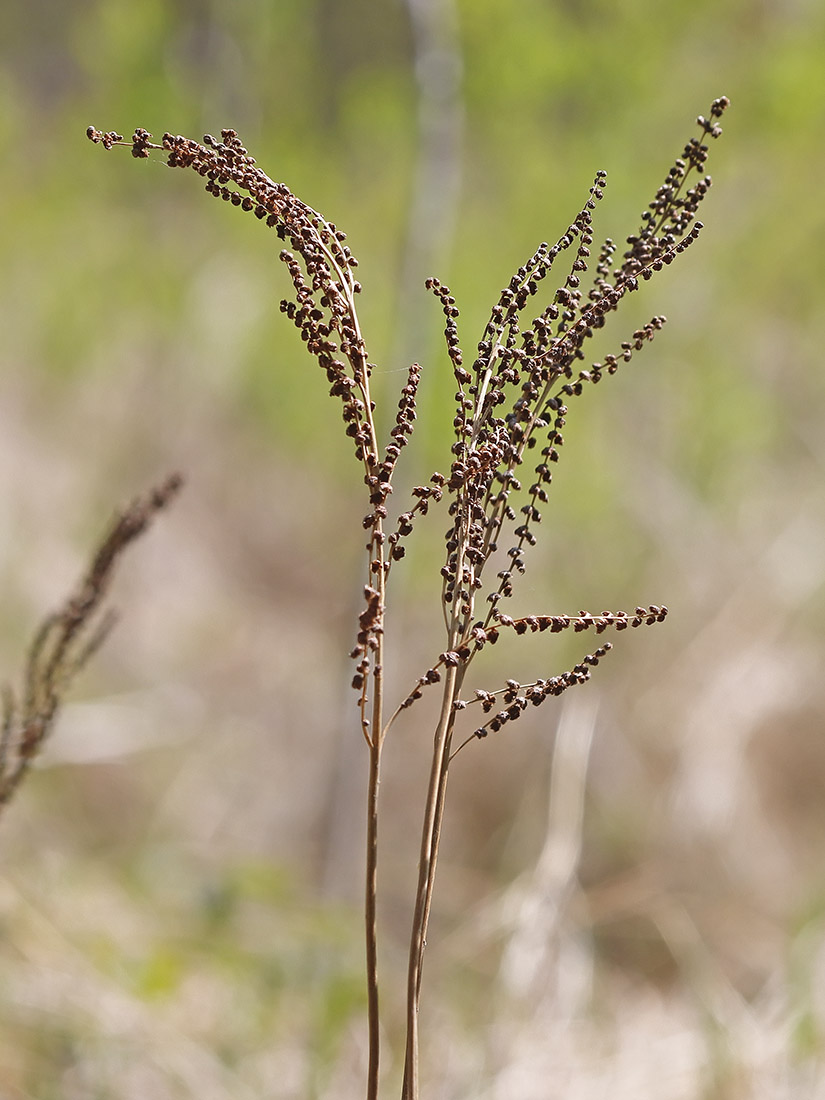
(511, 401)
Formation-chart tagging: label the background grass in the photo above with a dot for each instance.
(180, 883)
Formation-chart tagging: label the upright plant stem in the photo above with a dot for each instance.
(371, 886)
(430, 837)
(371, 922)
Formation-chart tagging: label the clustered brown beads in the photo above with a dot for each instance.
(620, 620)
(513, 397)
(324, 282)
(533, 370)
(517, 390)
(672, 211)
(321, 268)
(517, 698)
(479, 636)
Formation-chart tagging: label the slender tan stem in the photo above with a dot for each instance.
(371, 922)
(430, 837)
(375, 732)
(371, 885)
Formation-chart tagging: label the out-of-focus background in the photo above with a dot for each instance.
(632, 889)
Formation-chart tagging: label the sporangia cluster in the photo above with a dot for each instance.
(511, 402)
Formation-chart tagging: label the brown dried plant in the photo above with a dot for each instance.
(65, 641)
(510, 401)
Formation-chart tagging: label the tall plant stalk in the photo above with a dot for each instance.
(427, 860)
(512, 405)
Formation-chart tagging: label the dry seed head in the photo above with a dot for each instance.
(511, 400)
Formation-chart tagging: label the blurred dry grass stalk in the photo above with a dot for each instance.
(65, 641)
(513, 399)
